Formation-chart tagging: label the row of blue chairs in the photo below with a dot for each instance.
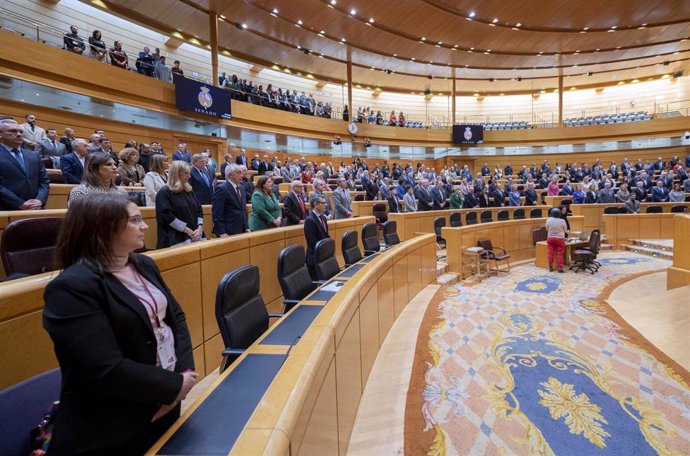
(605, 119)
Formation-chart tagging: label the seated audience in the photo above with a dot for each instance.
(24, 183)
(73, 42)
(266, 211)
(99, 176)
(131, 172)
(156, 178)
(73, 164)
(109, 360)
(229, 204)
(178, 213)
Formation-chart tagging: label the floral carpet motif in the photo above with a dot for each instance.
(531, 364)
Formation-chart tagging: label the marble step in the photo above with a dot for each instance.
(448, 278)
(441, 268)
(648, 251)
(657, 244)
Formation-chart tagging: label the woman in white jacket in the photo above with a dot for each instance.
(157, 178)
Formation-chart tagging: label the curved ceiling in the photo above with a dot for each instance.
(413, 45)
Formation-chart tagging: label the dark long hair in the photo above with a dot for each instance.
(89, 229)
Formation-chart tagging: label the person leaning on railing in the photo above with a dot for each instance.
(118, 57)
(73, 42)
(97, 49)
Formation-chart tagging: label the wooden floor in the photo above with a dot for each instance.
(663, 317)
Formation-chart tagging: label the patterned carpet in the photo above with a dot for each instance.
(535, 363)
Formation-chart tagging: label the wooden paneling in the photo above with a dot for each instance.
(594, 214)
(620, 229)
(678, 275)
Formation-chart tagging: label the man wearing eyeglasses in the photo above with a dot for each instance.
(24, 183)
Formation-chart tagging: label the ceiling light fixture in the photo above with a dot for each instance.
(519, 24)
(299, 22)
(343, 40)
(275, 10)
(472, 14)
(371, 20)
(353, 12)
(495, 20)
(244, 25)
(333, 2)
(423, 38)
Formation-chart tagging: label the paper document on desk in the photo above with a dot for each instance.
(332, 287)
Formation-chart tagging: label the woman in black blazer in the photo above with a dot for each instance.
(120, 336)
(178, 212)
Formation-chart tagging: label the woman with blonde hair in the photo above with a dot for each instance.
(99, 176)
(157, 178)
(178, 213)
(131, 172)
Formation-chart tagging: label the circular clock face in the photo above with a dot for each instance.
(352, 128)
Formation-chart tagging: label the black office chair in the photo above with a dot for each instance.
(293, 275)
(380, 212)
(326, 265)
(654, 210)
(138, 198)
(370, 239)
(390, 233)
(351, 252)
(535, 213)
(585, 258)
(519, 214)
(611, 210)
(471, 218)
(240, 312)
(503, 215)
(622, 210)
(455, 220)
(679, 209)
(486, 216)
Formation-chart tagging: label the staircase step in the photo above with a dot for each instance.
(606, 247)
(448, 278)
(658, 244)
(441, 268)
(648, 251)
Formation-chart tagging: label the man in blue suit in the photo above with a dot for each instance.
(182, 153)
(229, 204)
(24, 183)
(200, 179)
(72, 164)
(659, 193)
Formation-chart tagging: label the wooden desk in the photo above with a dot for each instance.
(269, 403)
(541, 258)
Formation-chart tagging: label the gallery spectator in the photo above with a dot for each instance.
(176, 68)
(73, 42)
(118, 57)
(97, 48)
(145, 62)
(163, 71)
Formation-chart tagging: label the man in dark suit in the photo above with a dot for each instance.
(264, 166)
(24, 183)
(423, 194)
(200, 179)
(470, 200)
(530, 195)
(295, 209)
(499, 198)
(254, 165)
(369, 187)
(315, 229)
(242, 158)
(72, 165)
(640, 191)
(438, 195)
(229, 204)
(386, 193)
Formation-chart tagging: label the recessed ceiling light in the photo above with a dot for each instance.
(333, 2)
(275, 10)
(585, 28)
(353, 12)
(495, 20)
(455, 46)
(519, 24)
(299, 22)
(395, 55)
(244, 25)
(472, 14)
(423, 38)
(412, 58)
(322, 32)
(614, 27)
(343, 39)
(371, 20)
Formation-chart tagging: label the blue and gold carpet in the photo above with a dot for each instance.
(535, 363)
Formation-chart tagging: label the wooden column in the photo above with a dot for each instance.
(349, 83)
(213, 27)
(452, 97)
(560, 92)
